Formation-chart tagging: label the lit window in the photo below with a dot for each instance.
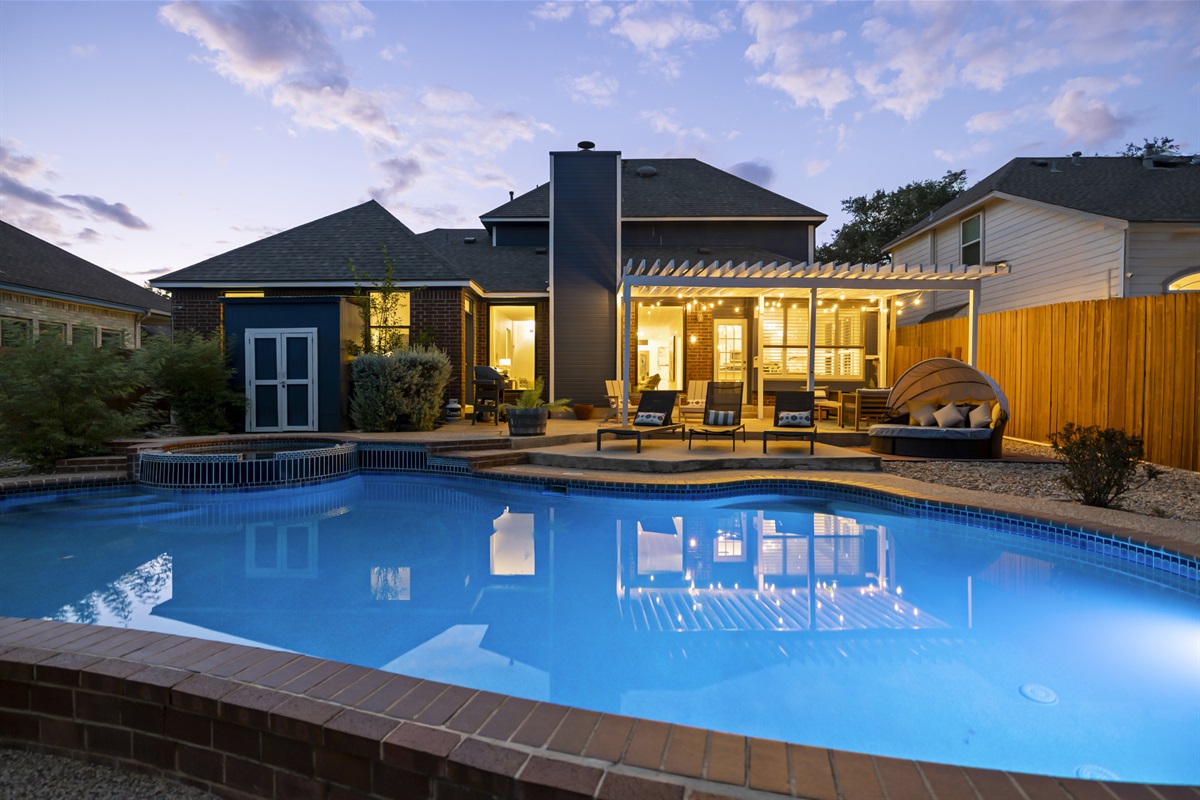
(391, 319)
(972, 240)
(243, 294)
(1185, 283)
(840, 343)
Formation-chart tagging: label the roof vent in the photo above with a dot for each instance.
(586, 145)
(647, 171)
(704, 251)
(1040, 162)
(468, 240)
(541, 251)
(1075, 158)
(510, 195)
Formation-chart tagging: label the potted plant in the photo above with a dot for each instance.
(527, 416)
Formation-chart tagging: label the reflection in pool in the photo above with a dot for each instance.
(818, 622)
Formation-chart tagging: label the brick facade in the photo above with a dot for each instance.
(36, 310)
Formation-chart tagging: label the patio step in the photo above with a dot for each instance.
(91, 464)
(485, 459)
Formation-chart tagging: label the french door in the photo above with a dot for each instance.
(729, 351)
(281, 379)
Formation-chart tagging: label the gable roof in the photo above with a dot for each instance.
(1109, 186)
(678, 187)
(317, 252)
(513, 268)
(33, 265)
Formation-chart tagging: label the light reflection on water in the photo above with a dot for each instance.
(813, 622)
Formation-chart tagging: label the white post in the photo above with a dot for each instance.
(757, 361)
(973, 325)
(812, 338)
(627, 296)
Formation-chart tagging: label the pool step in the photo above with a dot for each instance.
(474, 460)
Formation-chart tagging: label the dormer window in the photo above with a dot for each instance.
(972, 240)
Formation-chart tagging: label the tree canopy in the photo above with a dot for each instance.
(1150, 147)
(880, 218)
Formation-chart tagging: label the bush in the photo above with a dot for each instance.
(64, 402)
(192, 373)
(388, 387)
(1101, 464)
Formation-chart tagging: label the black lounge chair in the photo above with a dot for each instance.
(793, 404)
(656, 402)
(722, 413)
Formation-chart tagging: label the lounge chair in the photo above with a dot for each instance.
(613, 390)
(722, 413)
(653, 417)
(692, 404)
(792, 411)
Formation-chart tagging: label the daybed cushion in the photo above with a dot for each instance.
(919, 432)
(981, 415)
(949, 416)
(924, 416)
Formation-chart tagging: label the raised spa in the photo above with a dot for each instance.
(246, 464)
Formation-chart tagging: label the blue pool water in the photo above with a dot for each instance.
(817, 622)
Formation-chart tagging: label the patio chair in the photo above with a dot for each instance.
(692, 404)
(863, 406)
(613, 391)
(653, 417)
(795, 418)
(722, 413)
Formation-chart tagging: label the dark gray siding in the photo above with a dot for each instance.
(523, 234)
(788, 239)
(584, 225)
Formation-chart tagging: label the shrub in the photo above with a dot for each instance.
(390, 386)
(65, 402)
(192, 373)
(1101, 464)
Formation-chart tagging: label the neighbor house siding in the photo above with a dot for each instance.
(1157, 253)
(15, 305)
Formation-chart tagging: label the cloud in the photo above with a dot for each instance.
(83, 50)
(951, 157)
(1086, 119)
(593, 89)
(390, 52)
(914, 69)
(89, 235)
(795, 60)
(596, 13)
(659, 32)
(817, 166)
(115, 212)
(399, 174)
(757, 171)
(14, 189)
(554, 12)
(664, 121)
(990, 121)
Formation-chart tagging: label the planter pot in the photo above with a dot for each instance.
(527, 421)
(583, 410)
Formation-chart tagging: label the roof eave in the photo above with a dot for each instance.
(82, 300)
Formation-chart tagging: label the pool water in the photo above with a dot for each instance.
(817, 622)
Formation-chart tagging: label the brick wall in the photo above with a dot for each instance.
(36, 310)
(441, 312)
(196, 309)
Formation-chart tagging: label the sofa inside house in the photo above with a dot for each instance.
(943, 408)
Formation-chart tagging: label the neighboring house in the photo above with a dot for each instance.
(1069, 229)
(533, 292)
(47, 291)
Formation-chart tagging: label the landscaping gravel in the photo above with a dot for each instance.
(36, 776)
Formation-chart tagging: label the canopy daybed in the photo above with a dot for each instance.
(921, 422)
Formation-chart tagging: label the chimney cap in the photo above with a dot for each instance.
(586, 145)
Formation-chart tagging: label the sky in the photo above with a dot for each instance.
(148, 136)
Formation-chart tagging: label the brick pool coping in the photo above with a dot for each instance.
(247, 722)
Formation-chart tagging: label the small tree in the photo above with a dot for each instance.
(380, 307)
(1151, 147)
(1101, 464)
(61, 402)
(192, 373)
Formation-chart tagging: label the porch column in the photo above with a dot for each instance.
(756, 362)
(812, 338)
(626, 298)
(972, 324)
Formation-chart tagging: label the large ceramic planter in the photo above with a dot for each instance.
(527, 421)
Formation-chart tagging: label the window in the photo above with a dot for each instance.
(13, 331)
(56, 329)
(840, 344)
(110, 338)
(83, 336)
(391, 320)
(512, 344)
(1185, 283)
(972, 240)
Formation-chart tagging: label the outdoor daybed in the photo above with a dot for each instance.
(923, 423)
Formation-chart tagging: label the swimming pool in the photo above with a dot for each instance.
(818, 622)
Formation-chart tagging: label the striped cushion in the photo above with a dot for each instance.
(719, 418)
(795, 419)
(649, 418)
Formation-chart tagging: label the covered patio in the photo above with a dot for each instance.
(886, 289)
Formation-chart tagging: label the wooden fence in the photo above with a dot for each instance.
(1129, 363)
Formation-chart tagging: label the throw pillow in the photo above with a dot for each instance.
(795, 419)
(923, 416)
(981, 415)
(649, 418)
(719, 418)
(948, 416)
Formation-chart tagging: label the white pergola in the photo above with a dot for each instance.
(715, 279)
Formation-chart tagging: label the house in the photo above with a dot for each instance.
(1069, 229)
(47, 291)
